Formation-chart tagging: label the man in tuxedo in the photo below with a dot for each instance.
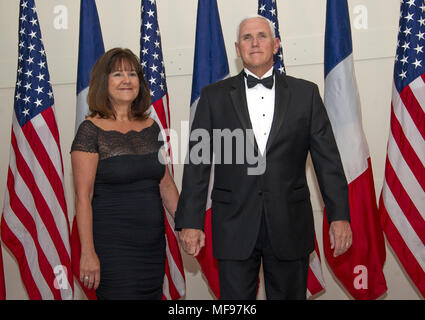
(262, 215)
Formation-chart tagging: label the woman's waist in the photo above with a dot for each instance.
(143, 187)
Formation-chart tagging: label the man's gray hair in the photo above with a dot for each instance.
(256, 16)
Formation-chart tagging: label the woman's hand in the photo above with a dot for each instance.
(90, 270)
(84, 167)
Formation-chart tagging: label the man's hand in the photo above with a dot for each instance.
(192, 240)
(340, 236)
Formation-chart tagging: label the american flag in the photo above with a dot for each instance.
(268, 9)
(154, 72)
(315, 283)
(35, 224)
(360, 268)
(402, 201)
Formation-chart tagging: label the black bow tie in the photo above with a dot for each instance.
(253, 81)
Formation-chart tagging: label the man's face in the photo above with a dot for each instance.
(256, 45)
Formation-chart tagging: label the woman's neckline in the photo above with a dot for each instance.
(123, 133)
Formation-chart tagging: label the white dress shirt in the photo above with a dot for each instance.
(261, 109)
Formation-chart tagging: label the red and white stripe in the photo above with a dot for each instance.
(35, 224)
(174, 280)
(402, 202)
(315, 282)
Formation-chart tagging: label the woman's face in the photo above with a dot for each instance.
(123, 85)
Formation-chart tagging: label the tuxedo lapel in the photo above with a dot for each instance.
(240, 104)
(282, 100)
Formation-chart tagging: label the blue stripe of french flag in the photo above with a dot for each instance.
(90, 49)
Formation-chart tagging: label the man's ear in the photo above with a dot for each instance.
(276, 45)
(237, 49)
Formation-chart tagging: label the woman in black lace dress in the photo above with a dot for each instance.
(121, 184)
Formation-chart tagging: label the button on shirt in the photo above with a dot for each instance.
(261, 109)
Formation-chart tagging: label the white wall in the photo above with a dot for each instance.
(302, 29)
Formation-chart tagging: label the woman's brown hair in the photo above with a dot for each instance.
(98, 97)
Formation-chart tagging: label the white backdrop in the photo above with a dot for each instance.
(302, 24)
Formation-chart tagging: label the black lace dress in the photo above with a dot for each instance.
(128, 216)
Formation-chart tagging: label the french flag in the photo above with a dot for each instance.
(360, 268)
(210, 65)
(90, 49)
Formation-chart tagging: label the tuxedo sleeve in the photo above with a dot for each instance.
(191, 207)
(327, 162)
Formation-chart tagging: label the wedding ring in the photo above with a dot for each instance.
(86, 277)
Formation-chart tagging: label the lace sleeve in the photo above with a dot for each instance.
(86, 138)
(161, 137)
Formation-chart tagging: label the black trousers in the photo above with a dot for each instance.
(283, 279)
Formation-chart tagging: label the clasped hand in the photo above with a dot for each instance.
(192, 240)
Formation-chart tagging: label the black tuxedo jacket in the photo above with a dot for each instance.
(300, 125)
